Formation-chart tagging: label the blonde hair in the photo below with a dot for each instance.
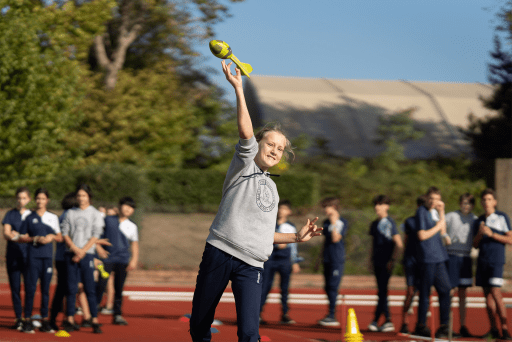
(276, 127)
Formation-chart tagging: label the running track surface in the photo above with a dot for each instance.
(157, 314)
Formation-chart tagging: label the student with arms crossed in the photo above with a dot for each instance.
(387, 246)
(243, 232)
(492, 233)
(335, 228)
(459, 227)
(123, 235)
(16, 253)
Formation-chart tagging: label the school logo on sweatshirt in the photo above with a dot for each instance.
(265, 198)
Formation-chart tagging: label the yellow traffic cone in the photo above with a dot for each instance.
(353, 334)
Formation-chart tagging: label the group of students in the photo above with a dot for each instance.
(84, 239)
(438, 253)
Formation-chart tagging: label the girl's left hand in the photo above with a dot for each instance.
(309, 230)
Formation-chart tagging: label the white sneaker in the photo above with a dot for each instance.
(373, 326)
(387, 327)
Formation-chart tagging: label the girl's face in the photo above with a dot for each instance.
(22, 200)
(41, 201)
(82, 198)
(271, 149)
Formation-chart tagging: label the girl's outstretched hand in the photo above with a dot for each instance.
(235, 80)
(309, 230)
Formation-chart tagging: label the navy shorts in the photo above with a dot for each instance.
(411, 272)
(460, 270)
(489, 275)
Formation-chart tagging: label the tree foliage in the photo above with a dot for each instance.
(491, 137)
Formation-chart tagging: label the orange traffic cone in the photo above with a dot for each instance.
(353, 334)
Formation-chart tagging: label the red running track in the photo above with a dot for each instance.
(155, 317)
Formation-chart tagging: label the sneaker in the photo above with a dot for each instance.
(262, 321)
(46, 327)
(86, 323)
(329, 321)
(387, 327)
(28, 327)
(492, 334)
(464, 332)
(404, 329)
(96, 328)
(505, 335)
(18, 324)
(106, 311)
(119, 320)
(70, 327)
(443, 331)
(285, 319)
(373, 326)
(422, 330)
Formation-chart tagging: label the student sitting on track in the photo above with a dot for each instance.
(243, 232)
(492, 232)
(459, 227)
(386, 247)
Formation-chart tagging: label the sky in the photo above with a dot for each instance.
(414, 40)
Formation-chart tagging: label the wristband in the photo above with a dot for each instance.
(16, 238)
(444, 235)
(34, 242)
(297, 239)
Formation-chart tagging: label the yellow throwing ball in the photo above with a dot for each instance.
(220, 49)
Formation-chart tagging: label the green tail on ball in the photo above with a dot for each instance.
(221, 49)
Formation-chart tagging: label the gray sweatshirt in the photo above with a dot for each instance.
(245, 224)
(81, 225)
(460, 229)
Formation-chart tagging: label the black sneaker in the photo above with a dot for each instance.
(119, 320)
(54, 325)
(285, 319)
(505, 335)
(404, 329)
(28, 327)
(492, 334)
(464, 332)
(422, 330)
(443, 331)
(262, 321)
(96, 328)
(46, 327)
(86, 323)
(18, 324)
(70, 327)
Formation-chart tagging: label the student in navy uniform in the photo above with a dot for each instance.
(283, 260)
(81, 229)
(243, 233)
(459, 227)
(432, 259)
(42, 228)
(492, 232)
(123, 235)
(68, 202)
(387, 246)
(410, 263)
(16, 252)
(335, 229)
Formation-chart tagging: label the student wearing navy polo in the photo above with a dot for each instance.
(432, 257)
(283, 260)
(334, 229)
(81, 229)
(410, 264)
(387, 245)
(42, 228)
(492, 233)
(123, 235)
(16, 252)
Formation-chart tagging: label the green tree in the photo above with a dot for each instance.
(491, 137)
